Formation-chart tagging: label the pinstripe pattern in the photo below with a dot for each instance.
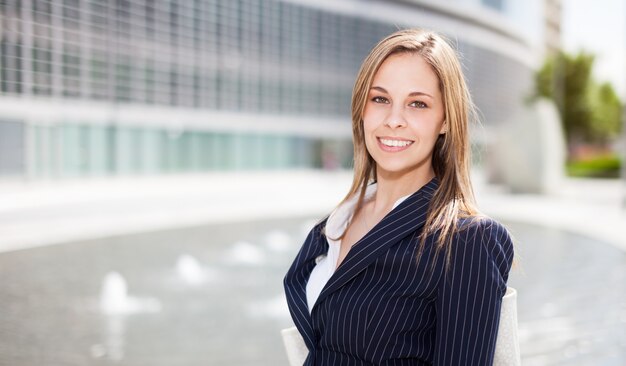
(380, 307)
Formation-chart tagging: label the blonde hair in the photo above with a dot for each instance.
(454, 197)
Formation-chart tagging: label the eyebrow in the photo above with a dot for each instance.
(412, 94)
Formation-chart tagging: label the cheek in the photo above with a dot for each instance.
(371, 119)
(368, 138)
(368, 126)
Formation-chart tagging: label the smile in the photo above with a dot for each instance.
(393, 145)
(395, 142)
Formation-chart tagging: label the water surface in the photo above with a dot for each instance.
(213, 295)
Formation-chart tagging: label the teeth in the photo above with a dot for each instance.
(395, 143)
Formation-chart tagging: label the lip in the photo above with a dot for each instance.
(392, 148)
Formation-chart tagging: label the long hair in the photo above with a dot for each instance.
(454, 197)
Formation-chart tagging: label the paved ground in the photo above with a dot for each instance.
(591, 207)
(43, 213)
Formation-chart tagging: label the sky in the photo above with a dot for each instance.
(598, 26)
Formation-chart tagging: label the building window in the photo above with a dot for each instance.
(42, 69)
(71, 72)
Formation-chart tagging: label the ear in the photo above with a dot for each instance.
(444, 127)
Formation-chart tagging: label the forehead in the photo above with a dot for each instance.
(406, 72)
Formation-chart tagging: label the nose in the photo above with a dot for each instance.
(395, 118)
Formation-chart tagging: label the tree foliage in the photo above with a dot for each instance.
(607, 111)
(590, 112)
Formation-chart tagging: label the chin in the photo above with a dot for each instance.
(400, 167)
(395, 169)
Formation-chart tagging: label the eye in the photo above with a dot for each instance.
(418, 104)
(379, 99)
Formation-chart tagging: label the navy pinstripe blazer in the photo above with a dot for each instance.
(382, 307)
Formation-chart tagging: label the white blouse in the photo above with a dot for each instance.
(337, 222)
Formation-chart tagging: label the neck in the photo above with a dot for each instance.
(392, 186)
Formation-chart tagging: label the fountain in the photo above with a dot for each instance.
(114, 298)
(278, 241)
(190, 270)
(246, 253)
(114, 295)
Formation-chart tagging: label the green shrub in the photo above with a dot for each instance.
(607, 166)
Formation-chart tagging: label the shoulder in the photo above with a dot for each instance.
(483, 230)
(480, 239)
(317, 232)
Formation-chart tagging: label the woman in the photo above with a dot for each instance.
(405, 271)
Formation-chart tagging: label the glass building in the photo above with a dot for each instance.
(122, 87)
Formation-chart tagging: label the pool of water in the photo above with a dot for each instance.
(572, 298)
(213, 295)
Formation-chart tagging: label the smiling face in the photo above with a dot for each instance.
(403, 116)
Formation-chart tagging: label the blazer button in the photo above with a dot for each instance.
(319, 258)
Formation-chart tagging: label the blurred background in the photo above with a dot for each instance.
(161, 162)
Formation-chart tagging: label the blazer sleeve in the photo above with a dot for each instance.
(470, 292)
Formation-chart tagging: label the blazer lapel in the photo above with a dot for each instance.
(403, 220)
(296, 279)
